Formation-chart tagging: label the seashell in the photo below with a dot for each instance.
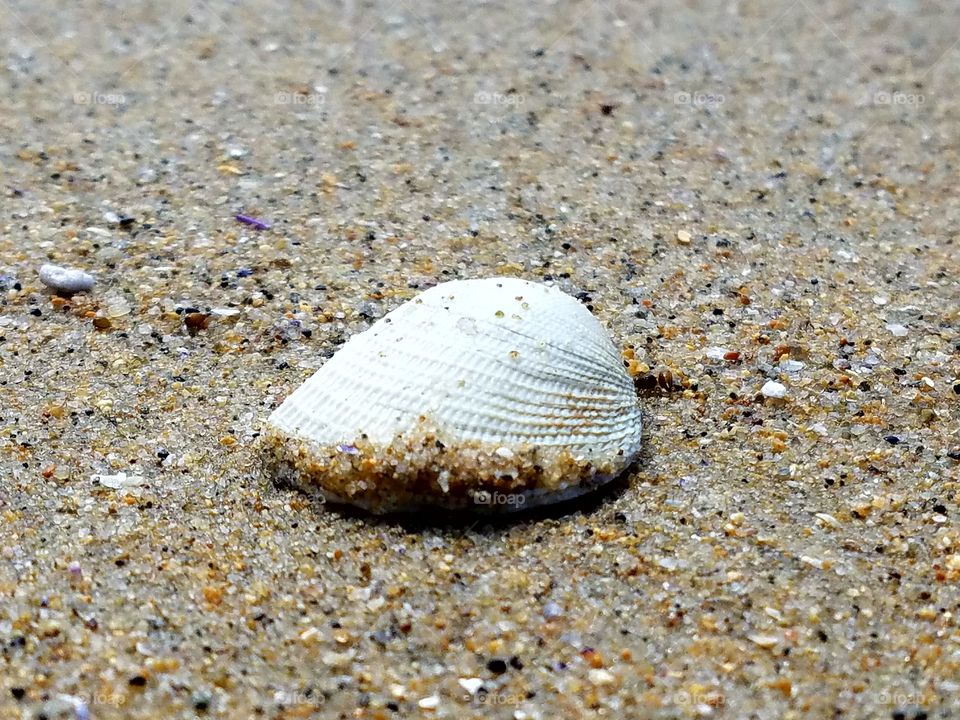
(495, 394)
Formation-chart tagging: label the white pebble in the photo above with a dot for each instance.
(551, 611)
(773, 389)
(66, 280)
(429, 703)
(599, 676)
(897, 330)
(471, 685)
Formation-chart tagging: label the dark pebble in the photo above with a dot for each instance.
(497, 666)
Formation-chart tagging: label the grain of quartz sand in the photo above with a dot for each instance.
(769, 557)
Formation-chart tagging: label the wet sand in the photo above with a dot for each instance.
(742, 193)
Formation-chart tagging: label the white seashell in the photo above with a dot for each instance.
(497, 392)
(65, 280)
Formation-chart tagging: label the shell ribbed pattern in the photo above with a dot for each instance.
(499, 360)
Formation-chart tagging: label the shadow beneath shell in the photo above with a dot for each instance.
(434, 518)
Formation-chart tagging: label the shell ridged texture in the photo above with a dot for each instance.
(500, 362)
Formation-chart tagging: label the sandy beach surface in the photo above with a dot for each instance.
(757, 199)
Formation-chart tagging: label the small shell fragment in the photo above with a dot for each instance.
(764, 641)
(828, 519)
(494, 395)
(120, 481)
(66, 281)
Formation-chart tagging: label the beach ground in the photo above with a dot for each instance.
(743, 193)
